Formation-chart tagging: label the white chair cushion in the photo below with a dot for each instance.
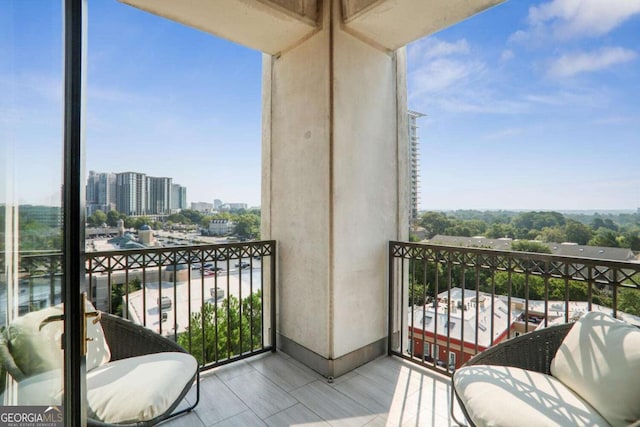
(507, 396)
(39, 350)
(599, 359)
(43, 389)
(138, 388)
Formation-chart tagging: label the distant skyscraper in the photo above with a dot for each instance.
(217, 204)
(414, 163)
(178, 197)
(183, 197)
(131, 193)
(107, 189)
(159, 195)
(101, 192)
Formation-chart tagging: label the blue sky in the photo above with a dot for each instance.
(530, 105)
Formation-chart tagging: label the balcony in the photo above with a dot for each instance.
(276, 390)
(446, 304)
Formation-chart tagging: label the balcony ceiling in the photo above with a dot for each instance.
(270, 26)
(395, 23)
(273, 26)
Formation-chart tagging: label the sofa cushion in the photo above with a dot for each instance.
(37, 350)
(599, 359)
(41, 389)
(140, 388)
(508, 396)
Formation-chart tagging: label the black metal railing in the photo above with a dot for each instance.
(448, 303)
(38, 278)
(217, 301)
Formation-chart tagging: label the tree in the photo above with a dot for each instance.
(553, 234)
(248, 226)
(97, 218)
(629, 301)
(434, 223)
(194, 216)
(227, 329)
(497, 231)
(530, 246)
(119, 292)
(604, 237)
(113, 217)
(577, 232)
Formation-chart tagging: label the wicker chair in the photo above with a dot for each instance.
(532, 351)
(125, 340)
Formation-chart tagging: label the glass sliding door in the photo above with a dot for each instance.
(35, 238)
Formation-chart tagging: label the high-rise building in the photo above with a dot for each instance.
(101, 192)
(107, 189)
(183, 197)
(131, 193)
(178, 197)
(414, 164)
(159, 195)
(134, 193)
(92, 188)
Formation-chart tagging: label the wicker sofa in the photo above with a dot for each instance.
(587, 373)
(139, 382)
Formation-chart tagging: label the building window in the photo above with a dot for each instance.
(452, 358)
(426, 350)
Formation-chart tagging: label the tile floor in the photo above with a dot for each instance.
(276, 390)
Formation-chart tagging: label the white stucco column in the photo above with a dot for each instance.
(335, 190)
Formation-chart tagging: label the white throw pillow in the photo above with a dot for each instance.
(38, 350)
(599, 359)
(139, 388)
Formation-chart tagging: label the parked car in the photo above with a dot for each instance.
(243, 265)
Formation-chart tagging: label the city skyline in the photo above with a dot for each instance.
(531, 105)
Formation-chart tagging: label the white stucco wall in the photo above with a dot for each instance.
(298, 181)
(331, 186)
(365, 190)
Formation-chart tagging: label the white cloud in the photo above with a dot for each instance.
(575, 18)
(507, 55)
(443, 73)
(571, 19)
(572, 64)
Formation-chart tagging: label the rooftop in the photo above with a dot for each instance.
(450, 316)
(275, 390)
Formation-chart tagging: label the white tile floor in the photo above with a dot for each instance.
(275, 390)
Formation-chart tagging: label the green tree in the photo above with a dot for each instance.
(113, 217)
(605, 237)
(194, 216)
(498, 230)
(553, 234)
(530, 246)
(119, 292)
(577, 232)
(434, 223)
(248, 226)
(222, 331)
(97, 218)
(629, 301)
